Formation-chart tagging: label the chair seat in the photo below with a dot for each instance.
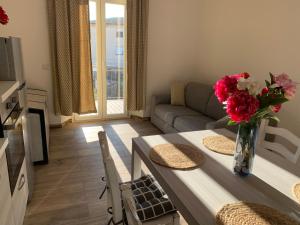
(150, 199)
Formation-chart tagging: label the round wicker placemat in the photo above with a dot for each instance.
(219, 144)
(297, 191)
(245, 213)
(176, 156)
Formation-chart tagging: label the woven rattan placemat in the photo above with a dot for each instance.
(296, 191)
(176, 156)
(220, 144)
(245, 213)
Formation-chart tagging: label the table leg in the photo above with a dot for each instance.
(136, 167)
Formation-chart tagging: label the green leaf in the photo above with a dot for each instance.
(275, 118)
(272, 78)
(272, 117)
(277, 101)
(268, 84)
(231, 123)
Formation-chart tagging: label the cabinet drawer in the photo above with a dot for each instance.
(20, 196)
(5, 196)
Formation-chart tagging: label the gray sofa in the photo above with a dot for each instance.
(202, 111)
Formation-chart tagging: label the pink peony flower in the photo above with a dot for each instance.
(289, 87)
(227, 86)
(276, 108)
(241, 106)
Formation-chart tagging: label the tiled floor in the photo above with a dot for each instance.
(67, 189)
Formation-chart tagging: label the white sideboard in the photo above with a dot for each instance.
(5, 196)
(13, 207)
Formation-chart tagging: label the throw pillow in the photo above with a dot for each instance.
(177, 93)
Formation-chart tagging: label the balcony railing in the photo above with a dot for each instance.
(114, 83)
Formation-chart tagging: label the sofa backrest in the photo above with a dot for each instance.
(201, 98)
(197, 96)
(214, 108)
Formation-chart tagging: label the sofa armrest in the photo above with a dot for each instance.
(159, 99)
(221, 123)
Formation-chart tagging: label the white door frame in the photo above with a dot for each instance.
(101, 65)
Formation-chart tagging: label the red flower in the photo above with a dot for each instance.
(227, 86)
(241, 106)
(276, 108)
(264, 91)
(3, 16)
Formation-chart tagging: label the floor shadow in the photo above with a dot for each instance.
(118, 143)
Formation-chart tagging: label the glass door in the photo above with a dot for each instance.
(108, 50)
(114, 38)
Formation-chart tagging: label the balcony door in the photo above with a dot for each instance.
(108, 48)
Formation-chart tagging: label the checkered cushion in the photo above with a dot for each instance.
(150, 199)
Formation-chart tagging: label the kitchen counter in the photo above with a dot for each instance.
(3, 145)
(7, 88)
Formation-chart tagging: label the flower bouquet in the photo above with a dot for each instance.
(246, 104)
(3, 16)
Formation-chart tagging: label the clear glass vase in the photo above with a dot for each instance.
(245, 148)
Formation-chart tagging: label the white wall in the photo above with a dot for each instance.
(172, 51)
(254, 36)
(28, 20)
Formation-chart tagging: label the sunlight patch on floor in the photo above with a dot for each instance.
(125, 128)
(91, 133)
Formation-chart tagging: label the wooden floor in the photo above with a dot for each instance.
(67, 189)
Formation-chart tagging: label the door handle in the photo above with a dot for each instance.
(21, 182)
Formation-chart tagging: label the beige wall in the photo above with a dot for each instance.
(254, 36)
(28, 20)
(172, 53)
(188, 40)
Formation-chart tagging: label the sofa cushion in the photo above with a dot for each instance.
(214, 108)
(168, 113)
(191, 123)
(197, 96)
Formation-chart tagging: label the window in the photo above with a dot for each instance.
(119, 51)
(119, 34)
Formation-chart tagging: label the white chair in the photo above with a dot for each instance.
(114, 194)
(290, 155)
(105, 154)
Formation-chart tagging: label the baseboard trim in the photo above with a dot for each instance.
(134, 117)
(61, 125)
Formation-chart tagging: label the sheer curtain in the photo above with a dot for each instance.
(71, 56)
(137, 40)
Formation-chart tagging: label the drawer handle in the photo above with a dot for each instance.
(21, 182)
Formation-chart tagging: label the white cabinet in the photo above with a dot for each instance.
(5, 196)
(20, 196)
(10, 218)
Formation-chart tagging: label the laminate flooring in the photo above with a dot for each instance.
(66, 191)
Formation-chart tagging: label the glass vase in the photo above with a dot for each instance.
(245, 149)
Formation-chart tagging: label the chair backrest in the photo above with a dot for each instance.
(292, 156)
(113, 182)
(112, 179)
(103, 145)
